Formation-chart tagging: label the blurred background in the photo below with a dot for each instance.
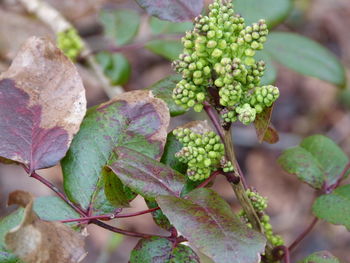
(306, 106)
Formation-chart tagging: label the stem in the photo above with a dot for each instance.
(138, 213)
(124, 232)
(57, 191)
(214, 119)
(285, 255)
(88, 218)
(303, 234)
(209, 179)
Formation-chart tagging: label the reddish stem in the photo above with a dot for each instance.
(209, 179)
(285, 255)
(124, 232)
(214, 119)
(138, 213)
(88, 218)
(57, 191)
(303, 234)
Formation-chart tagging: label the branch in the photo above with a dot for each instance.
(124, 232)
(57, 191)
(51, 17)
(303, 234)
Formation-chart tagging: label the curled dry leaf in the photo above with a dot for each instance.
(42, 101)
(37, 241)
(264, 129)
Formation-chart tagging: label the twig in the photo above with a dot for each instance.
(209, 179)
(124, 232)
(51, 17)
(213, 117)
(138, 213)
(303, 234)
(285, 255)
(57, 191)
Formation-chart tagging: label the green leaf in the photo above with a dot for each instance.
(209, 224)
(121, 25)
(146, 176)
(165, 27)
(115, 66)
(173, 10)
(158, 216)
(270, 75)
(163, 89)
(53, 208)
(334, 207)
(320, 257)
(318, 161)
(273, 11)
(167, 48)
(6, 257)
(161, 250)
(306, 57)
(135, 120)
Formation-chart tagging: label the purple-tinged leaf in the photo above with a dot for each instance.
(264, 130)
(173, 10)
(135, 120)
(145, 175)
(161, 250)
(42, 103)
(209, 224)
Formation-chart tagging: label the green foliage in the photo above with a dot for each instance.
(320, 257)
(203, 153)
(115, 66)
(273, 11)
(117, 123)
(70, 43)
(165, 27)
(334, 207)
(167, 48)
(121, 25)
(220, 51)
(155, 249)
(317, 161)
(306, 57)
(163, 89)
(207, 221)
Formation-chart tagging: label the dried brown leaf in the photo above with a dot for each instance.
(38, 241)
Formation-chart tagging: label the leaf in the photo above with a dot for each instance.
(34, 240)
(173, 10)
(320, 257)
(274, 12)
(334, 207)
(270, 74)
(42, 101)
(146, 176)
(121, 25)
(161, 250)
(9, 222)
(263, 128)
(6, 257)
(318, 161)
(135, 120)
(172, 146)
(305, 56)
(163, 89)
(158, 216)
(208, 223)
(115, 66)
(167, 48)
(52, 208)
(165, 27)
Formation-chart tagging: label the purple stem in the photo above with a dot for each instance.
(303, 234)
(214, 119)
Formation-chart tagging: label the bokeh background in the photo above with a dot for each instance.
(307, 106)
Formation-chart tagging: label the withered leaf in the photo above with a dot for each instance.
(38, 241)
(42, 103)
(263, 127)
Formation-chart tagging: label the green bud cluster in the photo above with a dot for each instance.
(70, 43)
(219, 53)
(260, 204)
(203, 153)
